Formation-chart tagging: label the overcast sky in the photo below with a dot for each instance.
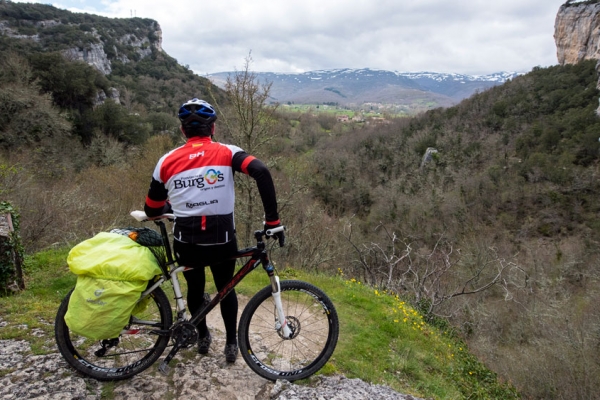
(461, 36)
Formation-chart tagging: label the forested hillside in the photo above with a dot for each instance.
(538, 131)
(495, 234)
(508, 204)
(39, 44)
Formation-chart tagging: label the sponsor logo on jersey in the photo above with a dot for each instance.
(201, 203)
(198, 154)
(211, 177)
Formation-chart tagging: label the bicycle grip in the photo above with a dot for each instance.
(139, 215)
(272, 231)
(142, 217)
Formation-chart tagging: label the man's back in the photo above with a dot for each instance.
(199, 178)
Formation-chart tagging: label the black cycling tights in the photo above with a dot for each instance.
(190, 256)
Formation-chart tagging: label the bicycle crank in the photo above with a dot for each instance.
(184, 335)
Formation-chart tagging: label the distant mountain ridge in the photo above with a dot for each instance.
(359, 86)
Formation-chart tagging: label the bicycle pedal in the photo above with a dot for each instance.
(164, 368)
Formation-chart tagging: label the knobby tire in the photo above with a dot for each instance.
(316, 327)
(134, 352)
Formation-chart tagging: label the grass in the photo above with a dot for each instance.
(382, 339)
(48, 280)
(385, 341)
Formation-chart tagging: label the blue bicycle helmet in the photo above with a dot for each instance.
(197, 110)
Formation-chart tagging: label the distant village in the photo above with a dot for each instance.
(358, 118)
(368, 113)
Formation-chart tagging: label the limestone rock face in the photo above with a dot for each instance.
(96, 56)
(158, 35)
(577, 33)
(113, 94)
(93, 55)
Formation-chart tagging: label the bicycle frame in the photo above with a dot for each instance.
(258, 256)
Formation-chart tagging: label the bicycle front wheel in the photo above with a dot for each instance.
(314, 323)
(137, 347)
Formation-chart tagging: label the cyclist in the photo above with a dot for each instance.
(195, 181)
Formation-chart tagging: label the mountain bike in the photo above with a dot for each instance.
(288, 330)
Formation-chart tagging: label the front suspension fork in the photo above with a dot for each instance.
(281, 324)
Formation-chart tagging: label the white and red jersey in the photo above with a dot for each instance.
(197, 178)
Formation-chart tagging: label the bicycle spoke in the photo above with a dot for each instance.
(313, 338)
(136, 348)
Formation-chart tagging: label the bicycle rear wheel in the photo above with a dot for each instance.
(136, 348)
(311, 316)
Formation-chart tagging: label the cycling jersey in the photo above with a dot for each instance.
(197, 178)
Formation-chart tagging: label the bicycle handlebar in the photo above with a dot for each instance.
(272, 231)
(142, 217)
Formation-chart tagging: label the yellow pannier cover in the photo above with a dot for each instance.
(112, 271)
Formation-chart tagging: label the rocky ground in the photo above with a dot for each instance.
(24, 375)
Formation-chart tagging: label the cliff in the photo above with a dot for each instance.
(577, 32)
(116, 47)
(96, 40)
(95, 55)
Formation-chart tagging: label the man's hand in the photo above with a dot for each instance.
(167, 208)
(278, 235)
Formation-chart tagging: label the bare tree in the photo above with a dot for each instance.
(249, 116)
(430, 277)
(248, 120)
(441, 277)
(378, 262)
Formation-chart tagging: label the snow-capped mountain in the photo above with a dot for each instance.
(499, 77)
(358, 86)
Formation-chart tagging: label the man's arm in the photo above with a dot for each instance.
(156, 200)
(250, 165)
